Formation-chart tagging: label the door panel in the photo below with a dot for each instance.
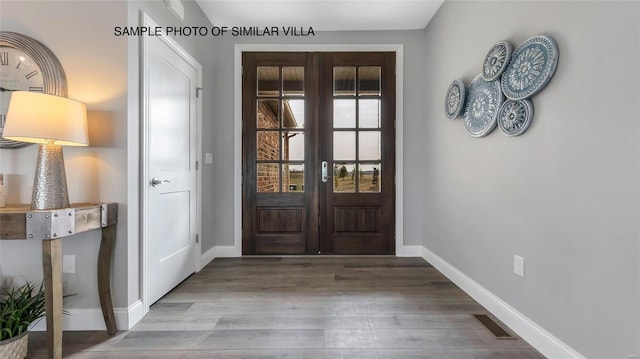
(358, 122)
(171, 149)
(276, 210)
(300, 109)
(356, 219)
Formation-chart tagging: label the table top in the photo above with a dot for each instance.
(25, 208)
(19, 221)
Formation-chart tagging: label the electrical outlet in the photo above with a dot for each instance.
(69, 263)
(518, 265)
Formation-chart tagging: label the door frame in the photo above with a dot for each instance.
(236, 250)
(146, 20)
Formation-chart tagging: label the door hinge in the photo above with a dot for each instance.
(197, 238)
(198, 89)
(197, 165)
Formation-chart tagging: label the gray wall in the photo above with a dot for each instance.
(565, 195)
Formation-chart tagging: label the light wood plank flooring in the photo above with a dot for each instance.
(305, 307)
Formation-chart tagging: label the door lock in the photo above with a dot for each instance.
(325, 168)
(325, 172)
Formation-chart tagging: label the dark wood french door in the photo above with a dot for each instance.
(318, 153)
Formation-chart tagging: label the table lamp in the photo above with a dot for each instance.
(53, 122)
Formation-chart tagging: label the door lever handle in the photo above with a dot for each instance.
(325, 172)
(155, 182)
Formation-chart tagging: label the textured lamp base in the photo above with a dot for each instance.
(50, 181)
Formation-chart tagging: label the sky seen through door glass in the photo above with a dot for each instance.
(344, 114)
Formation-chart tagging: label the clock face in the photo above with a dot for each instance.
(18, 72)
(26, 65)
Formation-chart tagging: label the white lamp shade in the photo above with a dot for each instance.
(41, 118)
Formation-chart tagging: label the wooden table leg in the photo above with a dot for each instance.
(52, 269)
(105, 255)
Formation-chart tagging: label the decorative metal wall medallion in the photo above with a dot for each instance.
(482, 103)
(496, 60)
(454, 100)
(531, 67)
(515, 117)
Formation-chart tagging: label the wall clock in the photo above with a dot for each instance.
(26, 65)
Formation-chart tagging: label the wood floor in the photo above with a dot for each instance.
(303, 307)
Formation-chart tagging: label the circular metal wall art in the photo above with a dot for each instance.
(482, 103)
(496, 60)
(531, 67)
(454, 100)
(514, 117)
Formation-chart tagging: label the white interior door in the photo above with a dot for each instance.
(171, 170)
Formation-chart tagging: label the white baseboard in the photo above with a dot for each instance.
(226, 251)
(538, 337)
(411, 251)
(207, 257)
(234, 252)
(218, 252)
(92, 319)
(77, 319)
(126, 318)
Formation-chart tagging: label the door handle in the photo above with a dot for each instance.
(325, 172)
(155, 182)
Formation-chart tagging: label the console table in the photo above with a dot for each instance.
(50, 226)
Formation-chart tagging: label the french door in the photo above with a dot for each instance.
(318, 153)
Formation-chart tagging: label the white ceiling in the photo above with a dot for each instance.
(322, 15)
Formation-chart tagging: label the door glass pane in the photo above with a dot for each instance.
(268, 114)
(268, 146)
(293, 81)
(268, 179)
(369, 112)
(344, 177)
(344, 113)
(369, 146)
(344, 145)
(369, 80)
(293, 113)
(369, 177)
(268, 80)
(292, 177)
(292, 146)
(344, 81)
